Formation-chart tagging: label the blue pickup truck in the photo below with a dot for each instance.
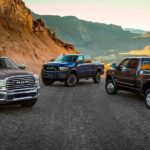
(70, 68)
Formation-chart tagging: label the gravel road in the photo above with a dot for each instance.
(79, 118)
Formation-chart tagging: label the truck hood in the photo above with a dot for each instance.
(5, 73)
(111, 70)
(62, 64)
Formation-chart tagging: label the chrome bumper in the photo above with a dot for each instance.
(19, 95)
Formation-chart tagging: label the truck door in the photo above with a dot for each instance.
(80, 66)
(84, 66)
(132, 72)
(120, 72)
(87, 65)
(126, 72)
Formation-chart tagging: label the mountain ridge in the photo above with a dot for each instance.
(92, 35)
(137, 31)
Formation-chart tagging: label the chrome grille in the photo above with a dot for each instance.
(20, 82)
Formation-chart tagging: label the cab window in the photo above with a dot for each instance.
(133, 64)
(6, 63)
(87, 59)
(80, 59)
(124, 63)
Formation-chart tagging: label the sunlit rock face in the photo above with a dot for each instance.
(26, 40)
(16, 13)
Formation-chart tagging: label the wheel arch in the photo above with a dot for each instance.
(99, 70)
(146, 86)
(109, 77)
(73, 71)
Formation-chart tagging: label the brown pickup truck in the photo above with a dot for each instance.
(133, 75)
(17, 86)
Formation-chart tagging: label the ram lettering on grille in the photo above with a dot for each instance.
(20, 82)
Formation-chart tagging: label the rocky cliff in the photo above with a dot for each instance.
(26, 40)
(16, 14)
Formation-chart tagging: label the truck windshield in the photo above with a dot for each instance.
(6, 63)
(66, 58)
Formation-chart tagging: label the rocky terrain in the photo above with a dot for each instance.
(26, 40)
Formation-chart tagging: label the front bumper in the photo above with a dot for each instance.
(59, 75)
(15, 96)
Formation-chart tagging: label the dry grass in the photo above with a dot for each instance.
(143, 52)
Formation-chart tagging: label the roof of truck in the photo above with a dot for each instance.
(138, 57)
(3, 57)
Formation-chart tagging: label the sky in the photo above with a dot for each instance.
(126, 13)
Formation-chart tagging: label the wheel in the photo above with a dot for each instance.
(97, 78)
(29, 103)
(47, 81)
(110, 87)
(71, 80)
(147, 98)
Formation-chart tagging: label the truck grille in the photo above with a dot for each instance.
(20, 82)
(51, 68)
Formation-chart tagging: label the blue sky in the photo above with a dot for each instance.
(127, 13)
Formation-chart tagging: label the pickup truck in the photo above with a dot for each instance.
(133, 75)
(17, 86)
(70, 68)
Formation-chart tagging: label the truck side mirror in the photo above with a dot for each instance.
(21, 66)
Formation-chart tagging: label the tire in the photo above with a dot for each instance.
(147, 98)
(47, 81)
(97, 78)
(71, 80)
(110, 87)
(29, 103)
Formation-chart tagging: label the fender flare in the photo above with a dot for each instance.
(99, 68)
(112, 77)
(144, 86)
(73, 70)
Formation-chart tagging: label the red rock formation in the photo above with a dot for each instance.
(25, 40)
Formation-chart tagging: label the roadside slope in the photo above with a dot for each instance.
(26, 40)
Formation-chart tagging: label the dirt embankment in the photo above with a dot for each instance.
(26, 40)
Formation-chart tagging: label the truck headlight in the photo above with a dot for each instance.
(63, 68)
(37, 82)
(2, 84)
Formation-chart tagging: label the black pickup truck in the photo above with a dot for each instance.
(133, 75)
(17, 86)
(70, 68)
